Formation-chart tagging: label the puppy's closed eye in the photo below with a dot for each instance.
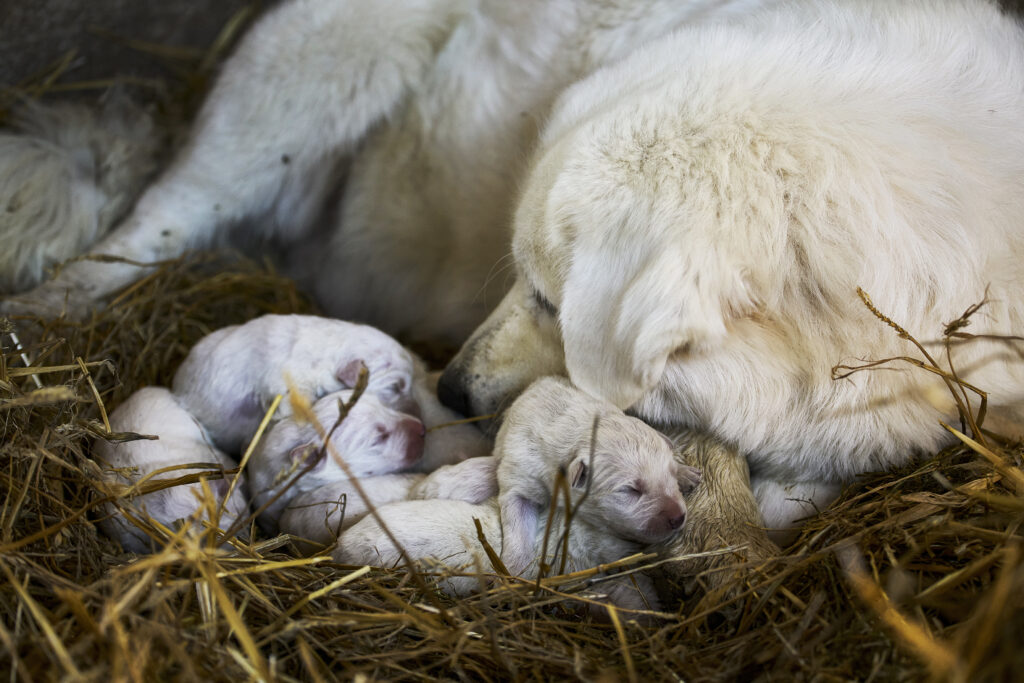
(629, 490)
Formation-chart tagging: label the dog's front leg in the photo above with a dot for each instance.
(305, 85)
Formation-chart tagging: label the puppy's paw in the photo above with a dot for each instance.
(689, 478)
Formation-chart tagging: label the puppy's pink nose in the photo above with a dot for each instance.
(673, 514)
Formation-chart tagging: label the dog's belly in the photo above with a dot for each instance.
(424, 221)
(423, 228)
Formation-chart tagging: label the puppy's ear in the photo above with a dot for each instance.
(688, 478)
(630, 300)
(348, 374)
(303, 455)
(577, 473)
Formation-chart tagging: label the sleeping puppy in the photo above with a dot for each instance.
(231, 376)
(638, 483)
(182, 441)
(698, 217)
(625, 496)
(372, 440)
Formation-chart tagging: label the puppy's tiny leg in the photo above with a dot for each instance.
(473, 481)
(688, 477)
(304, 86)
(519, 518)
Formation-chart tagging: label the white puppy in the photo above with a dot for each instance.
(698, 217)
(321, 514)
(626, 496)
(636, 483)
(182, 440)
(230, 377)
(372, 440)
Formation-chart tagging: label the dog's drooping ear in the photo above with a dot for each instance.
(643, 284)
(621, 318)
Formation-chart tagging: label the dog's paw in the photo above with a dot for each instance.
(49, 300)
(689, 478)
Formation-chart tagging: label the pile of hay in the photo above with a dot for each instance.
(911, 574)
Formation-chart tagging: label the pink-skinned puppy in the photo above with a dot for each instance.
(231, 376)
(182, 440)
(372, 440)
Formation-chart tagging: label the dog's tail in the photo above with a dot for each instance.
(68, 172)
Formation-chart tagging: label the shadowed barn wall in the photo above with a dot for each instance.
(36, 33)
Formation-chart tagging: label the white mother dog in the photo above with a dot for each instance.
(696, 218)
(694, 228)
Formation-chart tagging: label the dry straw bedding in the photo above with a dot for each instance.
(910, 574)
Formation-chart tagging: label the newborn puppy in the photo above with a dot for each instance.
(634, 497)
(372, 440)
(636, 485)
(322, 513)
(230, 377)
(183, 440)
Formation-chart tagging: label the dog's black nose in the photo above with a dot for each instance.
(451, 390)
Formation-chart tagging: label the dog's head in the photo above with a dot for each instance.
(606, 289)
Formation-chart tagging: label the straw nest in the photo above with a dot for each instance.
(909, 575)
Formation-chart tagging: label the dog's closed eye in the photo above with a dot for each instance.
(544, 305)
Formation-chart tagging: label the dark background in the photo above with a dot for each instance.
(36, 33)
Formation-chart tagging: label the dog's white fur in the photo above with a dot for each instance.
(698, 218)
(320, 514)
(427, 107)
(626, 496)
(701, 207)
(372, 440)
(182, 441)
(68, 172)
(636, 483)
(231, 376)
